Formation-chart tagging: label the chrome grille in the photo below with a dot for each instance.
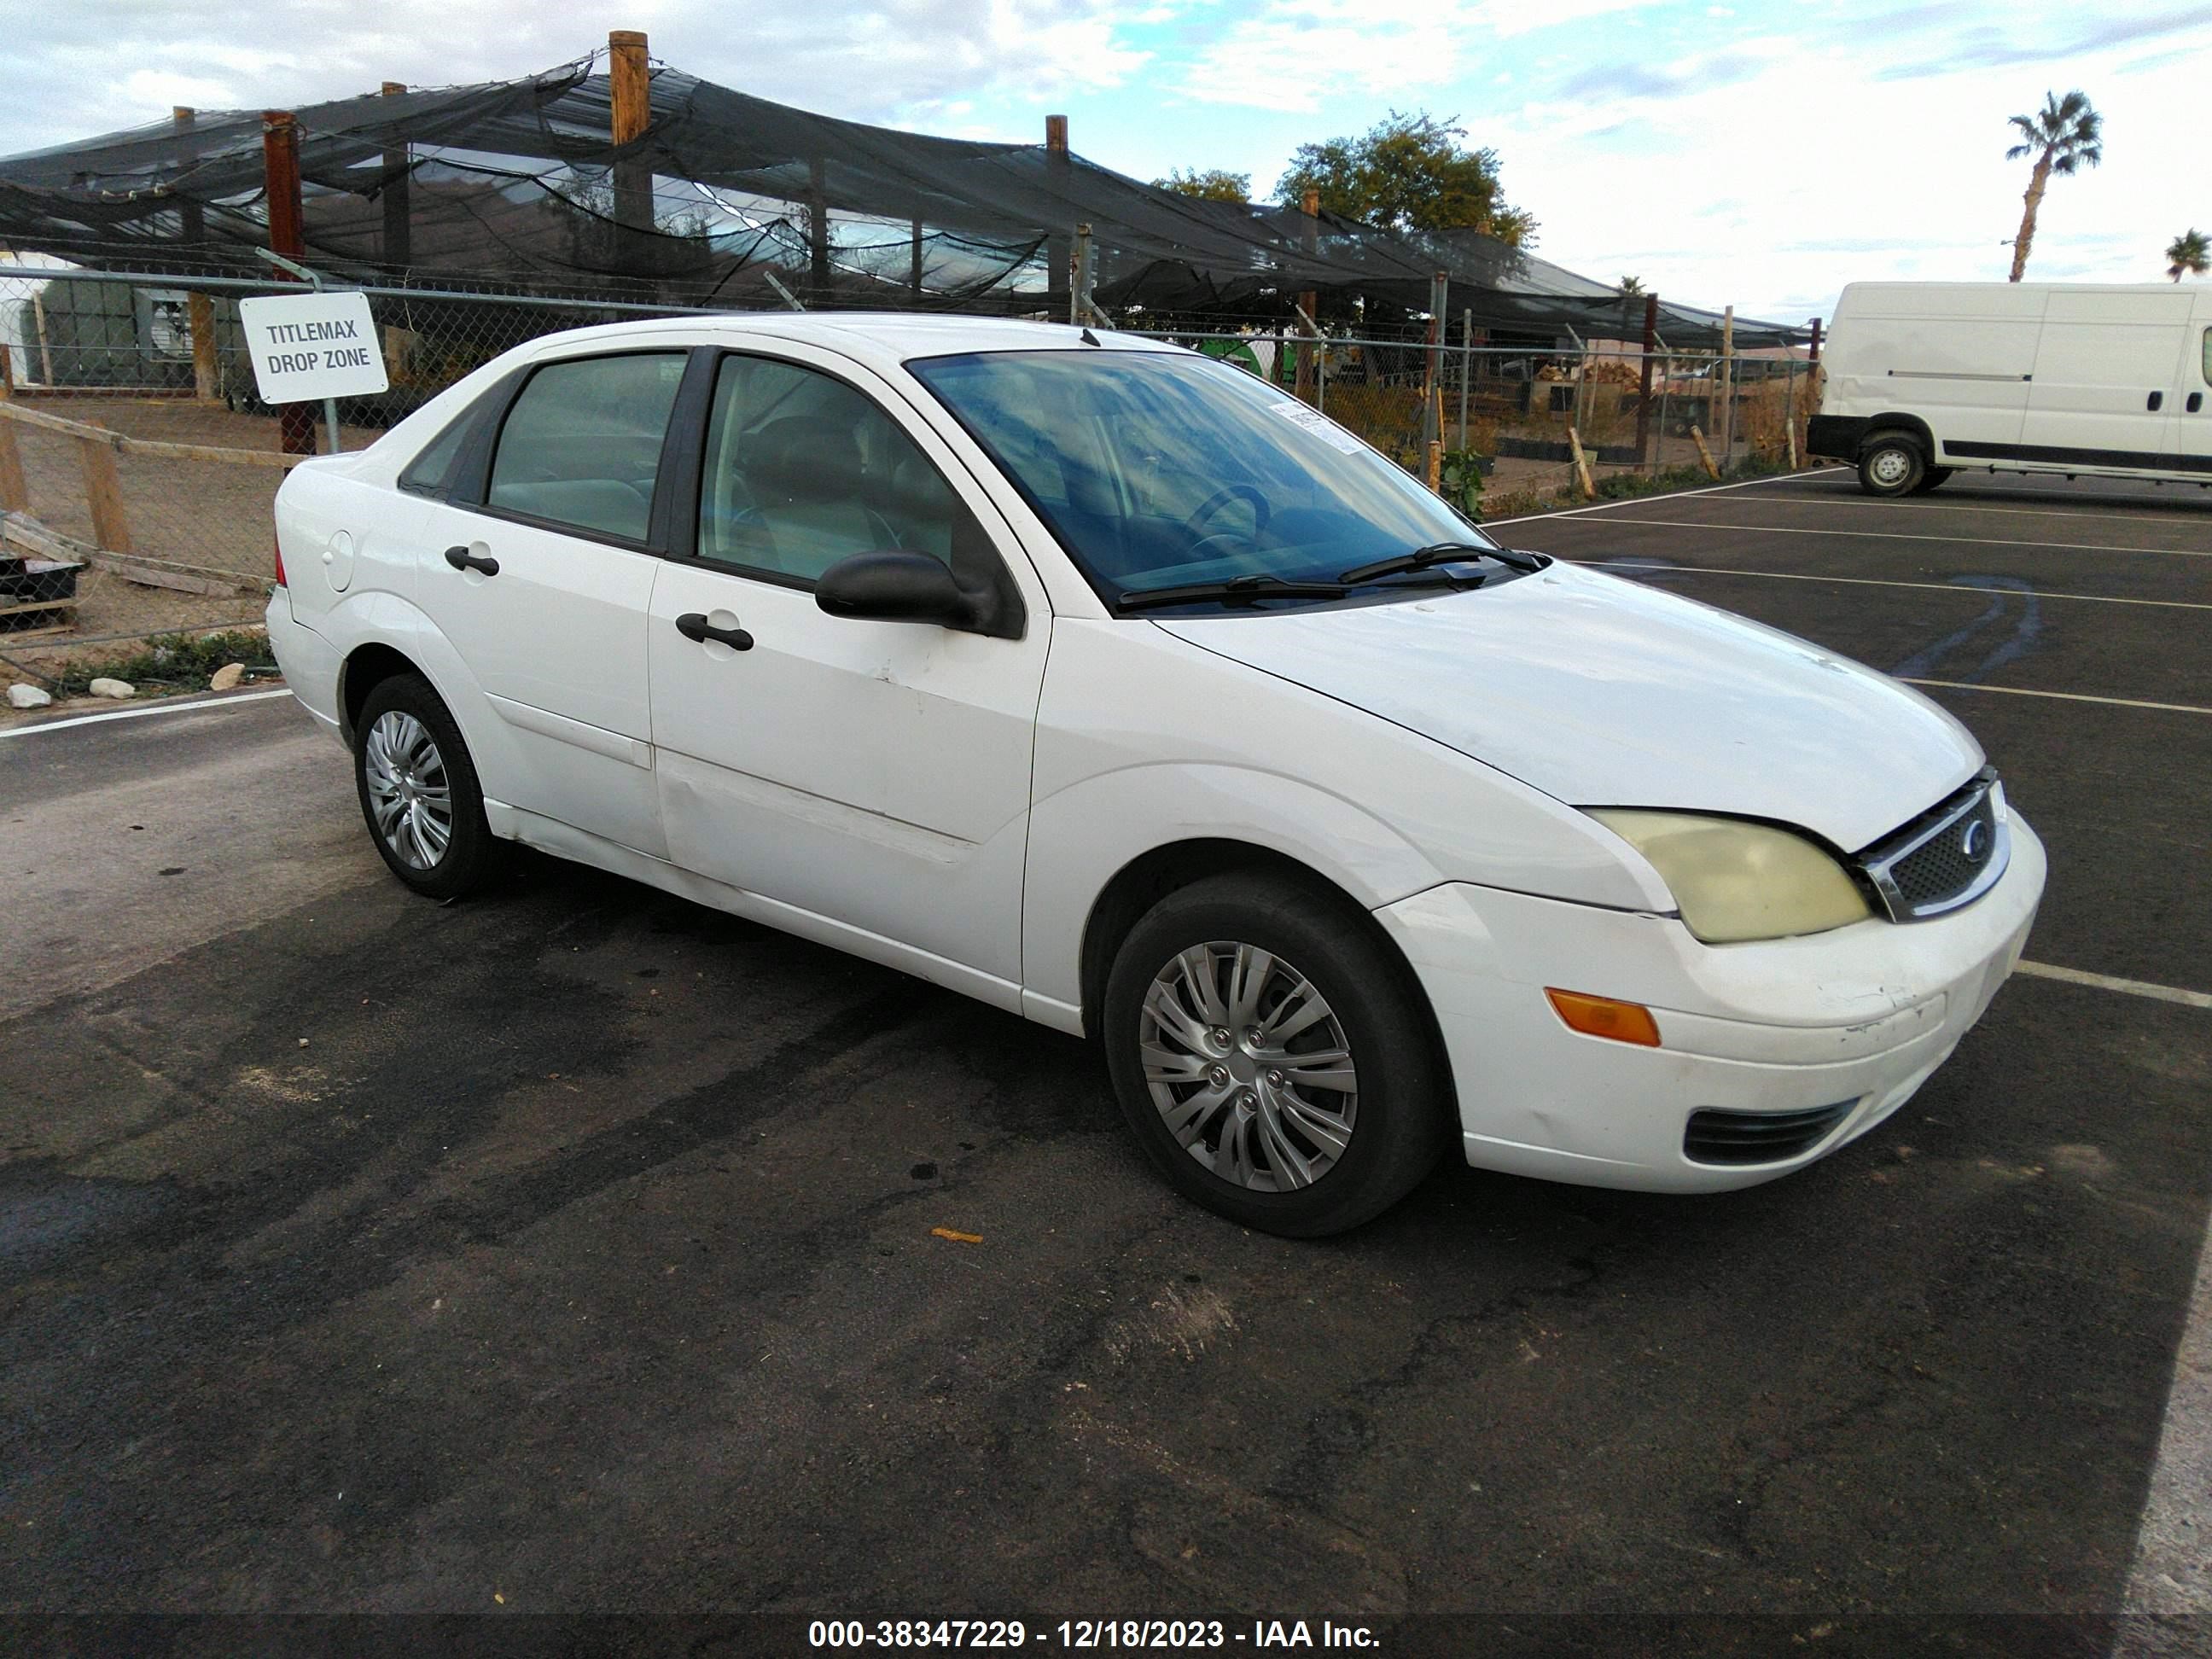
(1947, 857)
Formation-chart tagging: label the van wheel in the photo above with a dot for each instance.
(1271, 1054)
(419, 792)
(1932, 478)
(1891, 465)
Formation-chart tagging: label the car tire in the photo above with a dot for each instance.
(418, 789)
(1264, 1131)
(1892, 464)
(1934, 478)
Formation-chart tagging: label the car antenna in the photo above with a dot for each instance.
(1089, 338)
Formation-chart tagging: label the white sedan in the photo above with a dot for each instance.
(1109, 685)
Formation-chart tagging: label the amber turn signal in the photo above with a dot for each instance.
(1602, 1016)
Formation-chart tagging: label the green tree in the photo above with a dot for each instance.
(1409, 173)
(2188, 254)
(1207, 184)
(1631, 285)
(2064, 136)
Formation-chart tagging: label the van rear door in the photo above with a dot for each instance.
(2189, 433)
(2105, 380)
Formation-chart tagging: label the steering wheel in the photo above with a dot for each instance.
(1220, 498)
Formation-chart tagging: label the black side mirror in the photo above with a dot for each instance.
(903, 588)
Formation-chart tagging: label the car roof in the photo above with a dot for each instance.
(898, 334)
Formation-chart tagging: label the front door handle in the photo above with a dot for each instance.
(692, 625)
(461, 559)
(2156, 402)
(2196, 402)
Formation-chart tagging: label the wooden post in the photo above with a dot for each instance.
(1727, 423)
(1582, 463)
(1057, 166)
(45, 351)
(1705, 455)
(1435, 465)
(199, 308)
(629, 86)
(1310, 237)
(1643, 383)
(103, 493)
(398, 231)
(15, 494)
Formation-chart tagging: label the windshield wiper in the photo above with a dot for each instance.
(1444, 553)
(1258, 586)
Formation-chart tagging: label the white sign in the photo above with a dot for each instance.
(307, 346)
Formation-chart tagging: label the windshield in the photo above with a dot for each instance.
(1159, 470)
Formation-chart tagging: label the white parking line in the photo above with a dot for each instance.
(1876, 581)
(2133, 988)
(1917, 506)
(1906, 536)
(2062, 697)
(1672, 495)
(224, 702)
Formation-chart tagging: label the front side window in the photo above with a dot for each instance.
(1155, 469)
(802, 471)
(580, 447)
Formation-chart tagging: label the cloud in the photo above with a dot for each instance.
(1693, 74)
(1993, 48)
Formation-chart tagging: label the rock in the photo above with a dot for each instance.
(118, 690)
(27, 696)
(226, 676)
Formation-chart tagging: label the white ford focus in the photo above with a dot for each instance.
(1109, 685)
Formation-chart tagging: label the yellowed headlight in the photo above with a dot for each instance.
(1733, 881)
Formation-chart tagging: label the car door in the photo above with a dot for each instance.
(868, 774)
(2104, 376)
(540, 571)
(2190, 441)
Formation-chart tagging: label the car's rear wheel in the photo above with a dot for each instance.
(1273, 1056)
(419, 790)
(1891, 465)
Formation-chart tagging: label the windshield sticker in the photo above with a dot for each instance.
(1320, 425)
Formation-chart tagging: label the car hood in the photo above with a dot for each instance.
(1603, 692)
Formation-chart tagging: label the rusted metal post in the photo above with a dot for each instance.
(1309, 300)
(629, 86)
(287, 236)
(1644, 450)
(398, 230)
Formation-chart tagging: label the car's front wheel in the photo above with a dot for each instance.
(1273, 1055)
(419, 792)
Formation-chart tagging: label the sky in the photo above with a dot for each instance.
(1757, 154)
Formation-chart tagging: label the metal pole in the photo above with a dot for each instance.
(315, 280)
(1466, 369)
(1582, 365)
(1727, 377)
(1666, 379)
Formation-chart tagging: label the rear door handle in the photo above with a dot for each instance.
(461, 559)
(2157, 401)
(692, 625)
(2196, 402)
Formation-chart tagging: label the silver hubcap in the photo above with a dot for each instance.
(408, 791)
(1890, 466)
(1249, 1066)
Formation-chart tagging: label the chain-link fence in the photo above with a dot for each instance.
(138, 466)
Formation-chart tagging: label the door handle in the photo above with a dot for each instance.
(2156, 402)
(694, 625)
(461, 559)
(2196, 402)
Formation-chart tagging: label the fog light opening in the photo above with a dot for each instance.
(1605, 1017)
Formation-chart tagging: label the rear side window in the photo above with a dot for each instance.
(802, 471)
(431, 472)
(580, 447)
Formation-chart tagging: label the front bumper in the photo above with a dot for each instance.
(1857, 1017)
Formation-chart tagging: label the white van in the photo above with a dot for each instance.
(1925, 379)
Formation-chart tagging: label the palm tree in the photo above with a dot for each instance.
(2062, 135)
(2188, 255)
(1631, 285)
